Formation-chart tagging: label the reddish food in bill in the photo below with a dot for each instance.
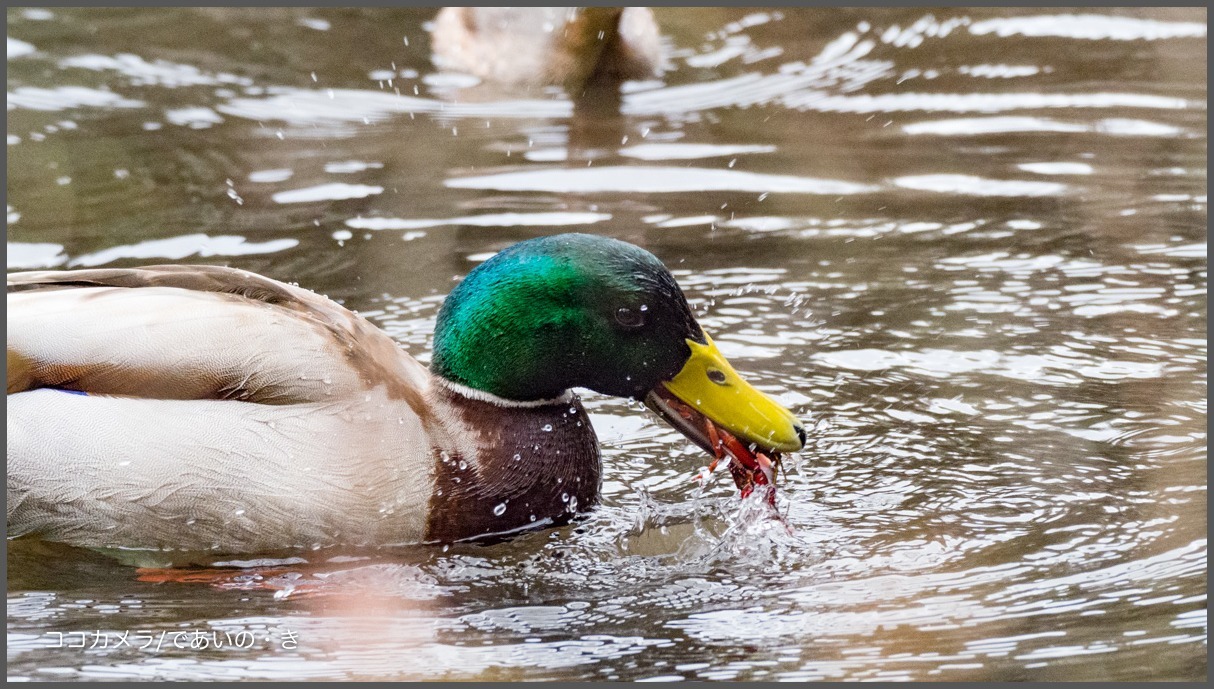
(749, 465)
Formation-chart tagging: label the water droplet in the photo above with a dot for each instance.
(499, 510)
(462, 465)
(239, 512)
(517, 456)
(573, 504)
(564, 497)
(547, 428)
(533, 517)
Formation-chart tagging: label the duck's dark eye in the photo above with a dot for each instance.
(629, 318)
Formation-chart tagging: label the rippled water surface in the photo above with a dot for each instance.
(969, 247)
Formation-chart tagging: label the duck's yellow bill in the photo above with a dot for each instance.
(710, 386)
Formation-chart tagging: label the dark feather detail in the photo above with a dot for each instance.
(555, 476)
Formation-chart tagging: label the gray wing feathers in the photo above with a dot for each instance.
(193, 332)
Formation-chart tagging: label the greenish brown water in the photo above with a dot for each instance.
(968, 246)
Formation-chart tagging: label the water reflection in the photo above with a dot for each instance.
(981, 281)
(653, 179)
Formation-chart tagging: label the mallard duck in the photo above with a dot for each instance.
(203, 408)
(540, 46)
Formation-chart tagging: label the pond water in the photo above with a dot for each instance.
(967, 246)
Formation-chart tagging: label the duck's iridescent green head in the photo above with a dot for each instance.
(570, 310)
(576, 310)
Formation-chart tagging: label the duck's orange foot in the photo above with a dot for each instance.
(281, 580)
